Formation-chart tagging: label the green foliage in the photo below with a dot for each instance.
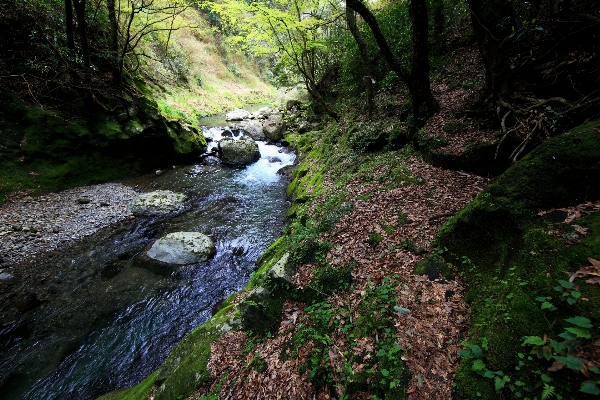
(382, 372)
(328, 279)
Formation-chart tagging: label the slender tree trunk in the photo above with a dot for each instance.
(69, 24)
(79, 6)
(114, 42)
(364, 58)
(439, 25)
(424, 104)
(495, 59)
(417, 79)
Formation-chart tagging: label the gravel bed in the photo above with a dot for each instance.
(32, 225)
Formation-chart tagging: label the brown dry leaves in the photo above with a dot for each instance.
(591, 272)
(438, 316)
(460, 88)
(430, 335)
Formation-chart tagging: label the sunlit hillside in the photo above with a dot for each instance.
(200, 73)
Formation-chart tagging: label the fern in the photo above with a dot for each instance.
(548, 392)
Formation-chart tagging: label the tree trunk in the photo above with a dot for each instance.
(69, 24)
(424, 104)
(80, 13)
(114, 42)
(495, 59)
(364, 58)
(417, 80)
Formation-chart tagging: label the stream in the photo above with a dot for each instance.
(110, 320)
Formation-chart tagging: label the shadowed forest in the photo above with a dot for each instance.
(442, 235)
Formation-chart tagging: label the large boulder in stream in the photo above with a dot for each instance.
(181, 248)
(237, 115)
(274, 127)
(254, 129)
(238, 152)
(158, 202)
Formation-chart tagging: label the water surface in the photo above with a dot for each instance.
(107, 320)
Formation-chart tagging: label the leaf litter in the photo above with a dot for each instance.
(431, 318)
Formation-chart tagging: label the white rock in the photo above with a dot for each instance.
(157, 203)
(182, 248)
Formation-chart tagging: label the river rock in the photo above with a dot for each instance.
(237, 115)
(254, 129)
(239, 152)
(182, 248)
(262, 113)
(157, 203)
(274, 127)
(283, 271)
(5, 276)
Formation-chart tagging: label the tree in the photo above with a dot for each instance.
(424, 105)
(364, 57)
(127, 30)
(298, 31)
(491, 23)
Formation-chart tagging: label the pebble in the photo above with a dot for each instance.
(29, 226)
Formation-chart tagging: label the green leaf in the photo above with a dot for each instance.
(477, 352)
(568, 336)
(571, 362)
(541, 299)
(580, 321)
(500, 382)
(566, 284)
(590, 387)
(534, 340)
(571, 301)
(557, 346)
(576, 294)
(548, 306)
(392, 384)
(385, 372)
(466, 353)
(546, 378)
(478, 365)
(580, 332)
(402, 310)
(489, 374)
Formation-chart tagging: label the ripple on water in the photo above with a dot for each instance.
(106, 322)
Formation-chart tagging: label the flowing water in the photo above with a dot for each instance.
(111, 320)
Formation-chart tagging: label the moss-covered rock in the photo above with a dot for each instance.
(513, 260)
(56, 149)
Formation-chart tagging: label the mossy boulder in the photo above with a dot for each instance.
(478, 157)
(511, 258)
(238, 152)
(260, 310)
(85, 143)
(274, 127)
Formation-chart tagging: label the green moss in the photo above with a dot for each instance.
(509, 256)
(52, 150)
(139, 392)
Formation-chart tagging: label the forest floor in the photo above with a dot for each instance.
(389, 232)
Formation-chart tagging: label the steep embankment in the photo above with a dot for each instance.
(359, 298)
(60, 128)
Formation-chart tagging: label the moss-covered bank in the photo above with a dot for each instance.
(518, 265)
(49, 149)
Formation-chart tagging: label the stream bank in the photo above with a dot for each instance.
(86, 315)
(360, 296)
